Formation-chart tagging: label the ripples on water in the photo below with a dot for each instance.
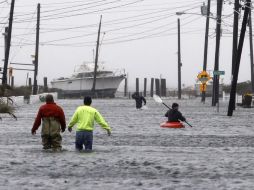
(217, 153)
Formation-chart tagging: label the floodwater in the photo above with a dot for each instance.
(216, 154)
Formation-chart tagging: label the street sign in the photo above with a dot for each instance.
(203, 77)
(219, 72)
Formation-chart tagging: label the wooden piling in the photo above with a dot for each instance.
(145, 84)
(137, 84)
(157, 87)
(163, 87)
(45, 84)
(125, 87)
(152, 86)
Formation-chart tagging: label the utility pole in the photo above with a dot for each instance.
(179, 60)
(35, 86)
(8, 44)
(215, 98)
(235, 38)
(251, 53)
(235, 34)
(5, 34)
(238, 58)
(206, 44)
(96, 58)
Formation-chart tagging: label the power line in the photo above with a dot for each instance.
(70, 7)
(119, 21)
(158, 18)
(51, 4)
(115, 21)
(1, 2)
(23, 39)
(121, 28)
(164, 16)
(111, 41)
(80, 5)
(153, 29)
(79, 14)
(147, 36)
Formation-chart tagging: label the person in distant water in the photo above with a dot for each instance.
(139, 100)
(53, 121)
(84, 117)
(174, 115)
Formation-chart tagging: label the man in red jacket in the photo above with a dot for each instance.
(53, 121)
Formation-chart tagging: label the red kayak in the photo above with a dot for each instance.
(172, 125)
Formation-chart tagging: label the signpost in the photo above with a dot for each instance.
(218, 73)
(202, 87)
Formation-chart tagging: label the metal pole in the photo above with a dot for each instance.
(35, 86)
(179, 61)
(238, 59)
(206, 43)
(8, 44)
(215, 98)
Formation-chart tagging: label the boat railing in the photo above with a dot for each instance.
(119, 72)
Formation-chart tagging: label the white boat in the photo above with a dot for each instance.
(81, 82)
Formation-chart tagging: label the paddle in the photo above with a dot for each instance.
(159, 100)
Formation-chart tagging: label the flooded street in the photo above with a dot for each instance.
(217, 153)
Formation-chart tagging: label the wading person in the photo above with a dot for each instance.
(174, 115)
(53, 122)
(84, 117)
(139, 100)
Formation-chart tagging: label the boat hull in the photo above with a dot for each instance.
(80, 87)
(103, 93)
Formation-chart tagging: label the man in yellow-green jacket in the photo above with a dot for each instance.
(84, 117)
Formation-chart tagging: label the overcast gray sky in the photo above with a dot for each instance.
(140, 37)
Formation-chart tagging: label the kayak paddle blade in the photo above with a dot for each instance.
(157, 99)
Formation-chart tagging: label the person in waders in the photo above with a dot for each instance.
(174, 115)
(84, 117)
(53, 122)
(139, 100)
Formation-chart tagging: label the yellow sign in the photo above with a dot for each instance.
(203, 77)
(202, 87)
